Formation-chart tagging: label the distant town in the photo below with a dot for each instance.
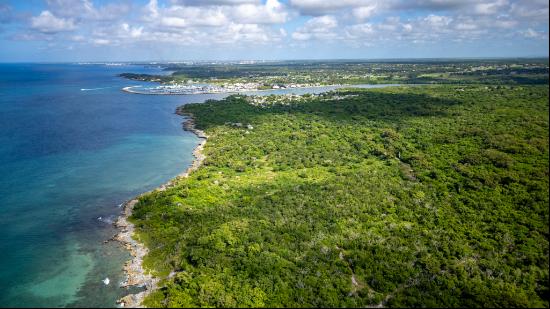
(218, 77)
(194, 88)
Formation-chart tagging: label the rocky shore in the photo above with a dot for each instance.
(136, 275)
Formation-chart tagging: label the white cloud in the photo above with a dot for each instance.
(68, 8)
(359, 31)
(317, 28)
(530, 10)
(82, 10)
(78, 38)
(431, 29)
(364, 12)
(530, 33)
(176, 22)
(101, 41)
(437, 21)
(221, 14)
(151, 10)
(46, 22)
(505, 24)
(321, 7)
(533, 34)
(490, 8)
(263, 22)
(323, 22)
(465, 26)
(180, 16)
(246, 32)
(132, 32)
(273, 12)
(214, 22)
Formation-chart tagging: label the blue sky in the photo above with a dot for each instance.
(171, 30)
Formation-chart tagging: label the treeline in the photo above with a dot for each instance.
(147, 77)
(434, 71)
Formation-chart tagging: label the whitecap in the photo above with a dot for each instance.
(108, 220)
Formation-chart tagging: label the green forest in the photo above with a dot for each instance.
(422, 196)
(353, 72)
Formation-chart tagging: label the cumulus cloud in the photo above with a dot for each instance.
(317, 28)
(46, 22)
(322, 7)
(273, 12)
(246, 33)
(217, 13)
(430, 29)
(266, 22)
(188, 23)
(132, 32)
(86, 10)
(181, 17)
(437, 22)
(360, 31)
(364, 12)
(489, 8)
(215, 22)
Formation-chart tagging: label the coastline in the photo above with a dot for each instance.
(129, 90)
(135, 273)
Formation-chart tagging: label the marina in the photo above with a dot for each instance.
(188, 89)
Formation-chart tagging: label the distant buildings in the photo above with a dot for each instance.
(187, 87)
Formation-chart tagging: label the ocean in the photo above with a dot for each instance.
(73, 148)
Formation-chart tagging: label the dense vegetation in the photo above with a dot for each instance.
(403, 196)
(414, 71)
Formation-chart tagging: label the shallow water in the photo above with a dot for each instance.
(73, 148)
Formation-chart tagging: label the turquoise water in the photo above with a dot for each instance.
(68, 158)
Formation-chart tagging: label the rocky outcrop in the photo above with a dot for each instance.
(135, 274)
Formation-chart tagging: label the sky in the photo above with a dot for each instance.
(179, 30)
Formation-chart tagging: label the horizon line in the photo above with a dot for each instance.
(280, 60)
